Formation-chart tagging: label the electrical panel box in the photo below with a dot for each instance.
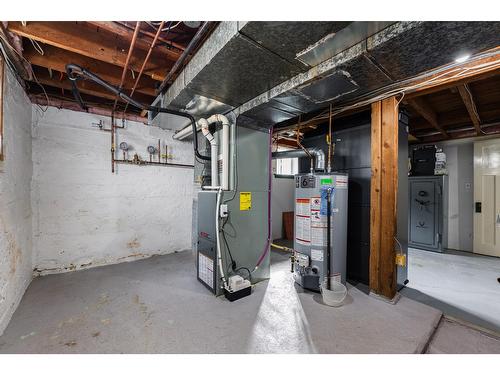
(310, 240)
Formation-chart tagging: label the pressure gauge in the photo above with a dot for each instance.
(124, 146)
(151, 150)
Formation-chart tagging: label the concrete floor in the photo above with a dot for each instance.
(462, 285)
(157, 306)
(454, 337)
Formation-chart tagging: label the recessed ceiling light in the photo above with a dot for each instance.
(462, 59)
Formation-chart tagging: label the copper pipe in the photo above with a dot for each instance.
(154, 163)
(127, 60)
(303, 148)
(124, 73)
(163, 40)
(146, 59)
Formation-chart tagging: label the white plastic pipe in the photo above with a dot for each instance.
(225, 149)
(186, 132)
(225, 152)
(214, 151)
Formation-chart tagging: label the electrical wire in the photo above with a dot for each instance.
(438, 76)
(37, 46)
(168, 28)
(11, 66)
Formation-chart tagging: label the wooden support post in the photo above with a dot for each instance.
(384, 190)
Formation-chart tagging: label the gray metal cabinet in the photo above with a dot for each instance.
(428, 206)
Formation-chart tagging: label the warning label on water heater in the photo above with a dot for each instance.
(303, 221)
(317, 255)
(303, 230)
(341, 182)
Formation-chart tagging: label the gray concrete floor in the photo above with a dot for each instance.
(454, 337)
(157, 306)
(462, 285)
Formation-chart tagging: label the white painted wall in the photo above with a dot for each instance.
(85, 216)
(15, 191)
(282, 198)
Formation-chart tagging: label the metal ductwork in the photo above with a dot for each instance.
(318, 153)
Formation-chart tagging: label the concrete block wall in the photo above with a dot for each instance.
(15, 199)
(85, 216)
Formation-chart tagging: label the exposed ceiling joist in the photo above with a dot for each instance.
(422, 107)
(470, 104)
(56, 59)
(481, 68)
(79, 39)
(127, 33)
(86, 87)
(95, 109)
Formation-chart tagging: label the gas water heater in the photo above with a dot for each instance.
(311, 260)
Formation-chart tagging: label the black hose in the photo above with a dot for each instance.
(76, 72)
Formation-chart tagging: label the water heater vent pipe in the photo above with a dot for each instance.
(204, 123)
(316, 152)
(214, 150)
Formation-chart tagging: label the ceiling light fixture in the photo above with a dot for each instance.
(462, 59)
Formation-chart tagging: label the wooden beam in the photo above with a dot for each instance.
(79, 39)
(56, 59)
(375, 195)
(73, 106)
(86, 87)
(127, 33)
(383, 195)
(490, 66)
(422, 107)
(470, 104)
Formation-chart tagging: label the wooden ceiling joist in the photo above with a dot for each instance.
(470, 104)
(490, 67)
(421, 106)
(86, 87)
(95, 109)
(127, 33)
(77, 38)
(56, 60)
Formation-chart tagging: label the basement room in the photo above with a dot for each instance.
(272, 186)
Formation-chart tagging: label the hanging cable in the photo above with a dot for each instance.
(76, 72)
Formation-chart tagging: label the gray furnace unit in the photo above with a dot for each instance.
(428, 206)
(310, 240)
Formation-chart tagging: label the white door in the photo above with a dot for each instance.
(487, 197)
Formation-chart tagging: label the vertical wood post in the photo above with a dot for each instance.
(383, 197)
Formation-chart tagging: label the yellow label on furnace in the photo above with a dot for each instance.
(245, 201)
